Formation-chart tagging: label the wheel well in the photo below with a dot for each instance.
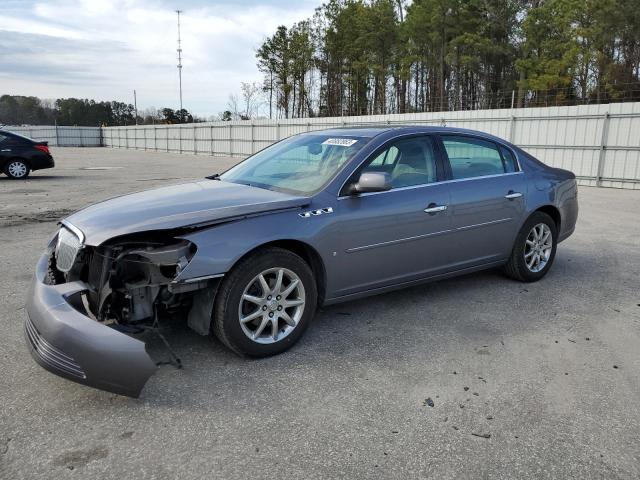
(309, 255)
(553, 212)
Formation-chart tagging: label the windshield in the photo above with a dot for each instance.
(302, 164)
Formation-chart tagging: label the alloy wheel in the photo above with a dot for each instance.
(538, 247)
(271, 305)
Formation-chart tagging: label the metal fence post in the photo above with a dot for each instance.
(180, 139)
(195, 141)
(230, 140)
(211, 138)
(155, 138)
(603, 148)
(57, 136)
(277, 132)
(252, 139)
(512, 128)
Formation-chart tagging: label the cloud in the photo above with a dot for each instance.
(104, 50)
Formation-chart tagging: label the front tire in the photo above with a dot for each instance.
(265, 303)
(534, 249)
(17, 169)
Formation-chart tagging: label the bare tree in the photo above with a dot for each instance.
(246, 107)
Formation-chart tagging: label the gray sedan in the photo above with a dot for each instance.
(316, 219)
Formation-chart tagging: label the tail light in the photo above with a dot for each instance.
(43, 148)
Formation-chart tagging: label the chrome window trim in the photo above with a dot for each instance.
(75, 230)
(438, 133)
(422, 185)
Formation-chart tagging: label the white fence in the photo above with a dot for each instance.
(61, 136)
(600, 143)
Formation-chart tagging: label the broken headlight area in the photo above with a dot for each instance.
(132, 281)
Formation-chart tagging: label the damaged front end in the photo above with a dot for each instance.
(87, 301)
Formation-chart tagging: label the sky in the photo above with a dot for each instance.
(104, 49)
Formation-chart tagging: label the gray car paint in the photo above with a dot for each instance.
(365, 244)
(195, 203)
(108, 359)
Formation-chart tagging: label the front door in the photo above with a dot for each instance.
(387, 238)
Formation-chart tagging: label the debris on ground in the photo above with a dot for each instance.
(476, 394)
(481, 435)
(572, 341)
(428, 402)
(615, 366)
(466, 388)
(454, 427)
(489, 417)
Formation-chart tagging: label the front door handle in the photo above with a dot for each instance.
(433, 208)
(511, 195)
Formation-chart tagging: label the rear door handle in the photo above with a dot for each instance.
(433, 208)
(511, 195)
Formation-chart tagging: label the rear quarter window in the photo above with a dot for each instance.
(510, 163)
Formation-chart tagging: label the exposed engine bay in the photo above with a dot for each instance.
(132, 283)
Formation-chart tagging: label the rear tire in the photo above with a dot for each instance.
(265, 303)
(16, 169)
(534, 249)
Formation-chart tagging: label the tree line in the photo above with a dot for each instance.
(21, 110)
(357, 57)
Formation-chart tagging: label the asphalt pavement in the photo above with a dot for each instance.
(473, 377)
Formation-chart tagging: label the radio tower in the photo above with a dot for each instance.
(179, 58)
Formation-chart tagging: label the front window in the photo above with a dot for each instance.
(409, 162)
(300, 165)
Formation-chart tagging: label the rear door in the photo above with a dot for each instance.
(487, 199)
(387, 238)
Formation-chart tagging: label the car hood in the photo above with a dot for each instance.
(189, 204)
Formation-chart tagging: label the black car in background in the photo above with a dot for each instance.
(20, 155)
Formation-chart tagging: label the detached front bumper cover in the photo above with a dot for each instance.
(68, 343)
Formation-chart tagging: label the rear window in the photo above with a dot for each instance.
(17, 137)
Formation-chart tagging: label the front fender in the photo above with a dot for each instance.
(221, 246)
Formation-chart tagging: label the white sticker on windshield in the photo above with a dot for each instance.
(340, 142)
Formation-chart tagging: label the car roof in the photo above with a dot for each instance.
(373, 131)
(16, 135)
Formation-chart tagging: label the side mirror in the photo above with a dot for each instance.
(372, 182)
